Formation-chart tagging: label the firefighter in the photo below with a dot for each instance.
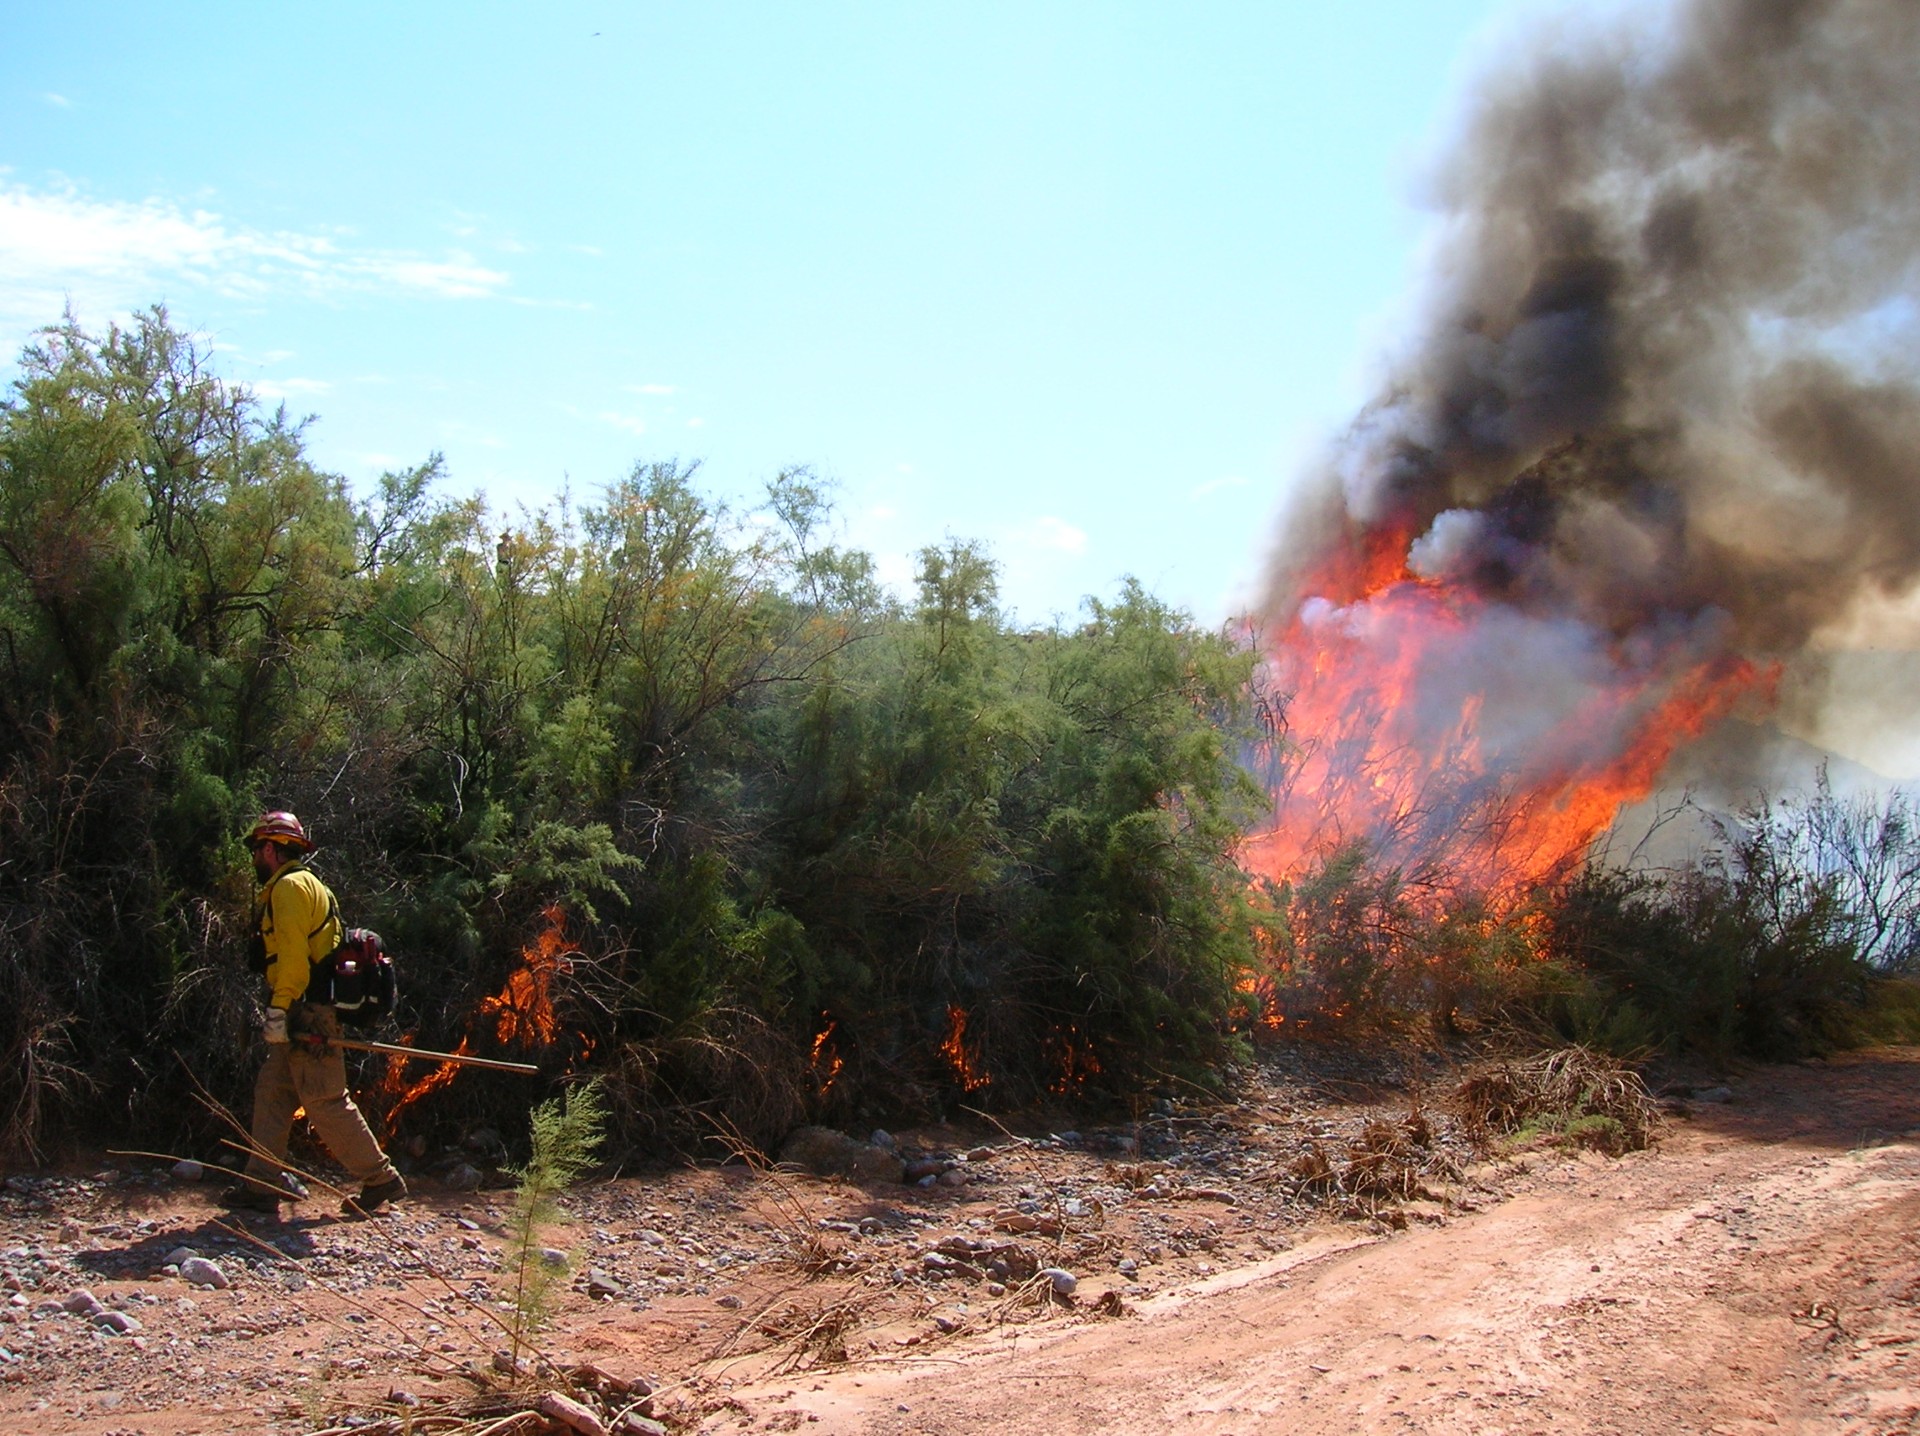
(299, 924)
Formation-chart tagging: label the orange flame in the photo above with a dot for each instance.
(1391, 744)
(1074, 1059)
(522, 1014)
(523, 1009)
(403, 1094)
(825, 1058)
(1261, 1004)
(966, 1069)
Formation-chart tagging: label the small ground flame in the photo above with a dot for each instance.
(402, 1093)
(1257, 1003)
(1074, 1061)
(523, 1009)
(825, 1057)
(966, 1066)
(521, 1014)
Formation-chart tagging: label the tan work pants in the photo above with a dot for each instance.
(295, 1077)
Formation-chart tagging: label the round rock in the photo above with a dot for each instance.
(201, 1272)
(81, 1302)
(465, 1177)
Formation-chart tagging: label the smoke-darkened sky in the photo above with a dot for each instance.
(1666, 395)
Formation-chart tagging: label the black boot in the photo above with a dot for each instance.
(374, 1196)
(247, 1197)
(253, 1195)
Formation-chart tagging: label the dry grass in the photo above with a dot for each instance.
(814, 1334)
(783, 1205)
(1312, 1169)
(1573, 1095)
(1382, 1165)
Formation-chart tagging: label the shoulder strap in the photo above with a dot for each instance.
(264, 901)
(332, 914)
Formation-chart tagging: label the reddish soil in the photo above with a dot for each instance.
(1757, 1270)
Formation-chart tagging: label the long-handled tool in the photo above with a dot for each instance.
(356, 1045)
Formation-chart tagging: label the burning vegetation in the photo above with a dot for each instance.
(521, 1016)
(1658, 441)
(825, 1058)
(966, 1066)
(1655, 453)
(1649, 458)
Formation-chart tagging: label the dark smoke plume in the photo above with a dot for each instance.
(1668, 380)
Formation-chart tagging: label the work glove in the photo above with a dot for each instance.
(274, 1029)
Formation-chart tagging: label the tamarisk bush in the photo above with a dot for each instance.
(566, 1133)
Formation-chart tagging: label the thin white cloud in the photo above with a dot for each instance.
(1052, 534)
(896, 571)
(1214, 486)
(632, 423)
(60, 102)
(272, 389)
(653, 390)
(456, 277)
(696, 423)
(110, 255)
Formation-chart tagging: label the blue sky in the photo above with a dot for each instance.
(1089, 283)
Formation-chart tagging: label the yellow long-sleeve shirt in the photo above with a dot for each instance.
(300, 924)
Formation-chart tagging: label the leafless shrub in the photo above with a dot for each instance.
(737, 1068)
(1416, 1126)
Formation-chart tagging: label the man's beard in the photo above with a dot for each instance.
(262, 869)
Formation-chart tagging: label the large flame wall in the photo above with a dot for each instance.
(1657, 441)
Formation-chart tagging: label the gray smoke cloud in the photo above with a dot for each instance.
(1669, 381)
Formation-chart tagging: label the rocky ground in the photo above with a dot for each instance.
(724, 1298)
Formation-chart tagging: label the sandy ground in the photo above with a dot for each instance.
(1758, 1270)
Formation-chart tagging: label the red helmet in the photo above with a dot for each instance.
(280, 828)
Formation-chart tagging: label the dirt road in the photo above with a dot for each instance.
(1757, 1271)
(1760, 1271)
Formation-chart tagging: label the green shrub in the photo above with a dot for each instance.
(1706, 960)
(1891, 1013)
(754, 789)
(565, 1136)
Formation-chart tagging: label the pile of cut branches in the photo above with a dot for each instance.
(1574, 1096)
(582, 1400)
